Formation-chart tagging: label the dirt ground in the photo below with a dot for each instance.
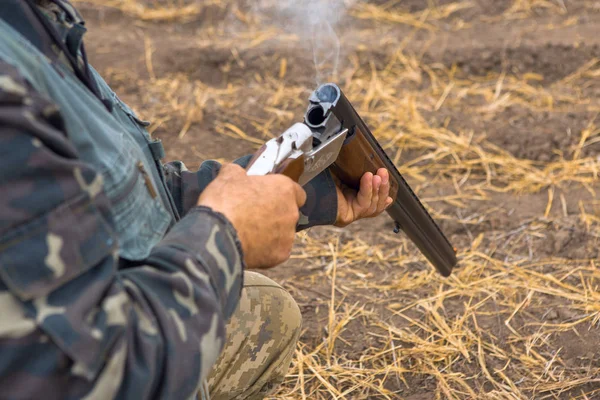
(490, 110)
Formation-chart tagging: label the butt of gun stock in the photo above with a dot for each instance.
(362, 153)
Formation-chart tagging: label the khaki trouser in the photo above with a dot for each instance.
(261, 339)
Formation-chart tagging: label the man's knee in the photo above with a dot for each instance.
(261, 339)
(280, 317)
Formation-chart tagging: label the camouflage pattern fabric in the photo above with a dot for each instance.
(261, 339)
(77, 321)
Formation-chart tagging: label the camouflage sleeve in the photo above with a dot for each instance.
(77, 321)
(186, 186)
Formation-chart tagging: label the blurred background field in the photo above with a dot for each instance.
(490, 108)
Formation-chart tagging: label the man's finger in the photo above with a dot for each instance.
(300, 195)
(375, 198)
(383, 173)
(384, 189)
(365, 193)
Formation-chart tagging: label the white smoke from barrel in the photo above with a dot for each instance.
(326, 51)
(314, 22)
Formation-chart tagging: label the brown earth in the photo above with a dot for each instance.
(516, 82)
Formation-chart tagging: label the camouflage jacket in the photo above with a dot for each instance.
(81, 315)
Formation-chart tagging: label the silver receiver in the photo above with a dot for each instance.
(295, 142)
(292, 143)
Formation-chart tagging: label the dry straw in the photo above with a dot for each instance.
(385, 325)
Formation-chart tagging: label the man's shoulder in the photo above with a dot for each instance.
(19, 16)
(26, 20)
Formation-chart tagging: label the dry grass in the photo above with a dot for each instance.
(453, 352)
(157, 11)
(394, 327)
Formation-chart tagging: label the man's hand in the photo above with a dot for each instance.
(263, 209)
(370, 201)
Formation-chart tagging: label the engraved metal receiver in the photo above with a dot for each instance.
(297, 153)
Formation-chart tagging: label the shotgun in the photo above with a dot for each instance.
(334, 136)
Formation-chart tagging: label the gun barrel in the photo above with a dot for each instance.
(407, 211)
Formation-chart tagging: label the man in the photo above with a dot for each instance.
(120, 276)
